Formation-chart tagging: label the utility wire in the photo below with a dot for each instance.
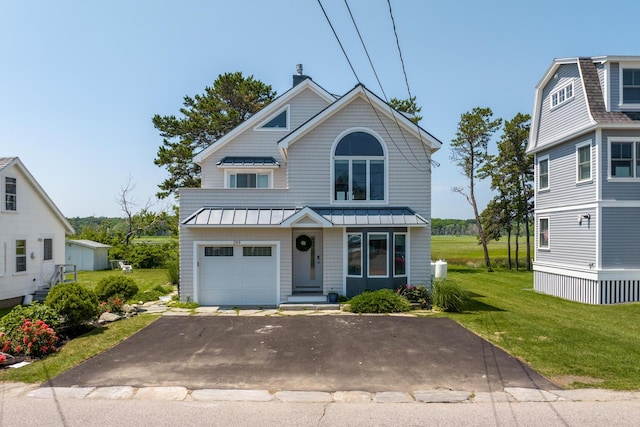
(339, 42)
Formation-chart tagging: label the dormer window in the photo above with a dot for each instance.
(562, 95)
(359, 168)
(631, 85)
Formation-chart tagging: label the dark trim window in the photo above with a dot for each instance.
(625, 159)
(249, 180)
(543, 173)
(543, 233)
(354, 254)
(279, 121)
(631, 85)
(47, 249)
(399, 254)
(218, 251)
(359, 168)
(10, 194)
(21, 256)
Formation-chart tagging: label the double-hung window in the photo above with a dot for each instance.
(543, 173)
(47, 249)
(10, 194)
(624, 158)
(583, 156)
(543, 233)
(21, 256)
(359, 168)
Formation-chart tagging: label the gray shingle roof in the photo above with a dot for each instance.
(4, 161)
(595, 99)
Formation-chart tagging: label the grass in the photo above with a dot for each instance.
(146, 279)
(466, 250)
(574, 345)
(78, 350)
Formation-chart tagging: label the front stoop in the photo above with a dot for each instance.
(308, 306)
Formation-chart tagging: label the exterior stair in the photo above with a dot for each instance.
(64, 273)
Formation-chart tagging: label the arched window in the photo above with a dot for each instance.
(359, 169)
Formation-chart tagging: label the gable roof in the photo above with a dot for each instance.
(360, 91)
(596, 106)
(7, 162)
(273, 107)
(89, 244)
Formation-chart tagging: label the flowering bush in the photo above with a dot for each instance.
(31, 339)
(415, 294)
(112, 305)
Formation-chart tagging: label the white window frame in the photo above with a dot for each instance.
(347, 253)
(384, 158)
(15, 255)
(635, 158)
(248, 170)
(5, 194)
(548, 247)
(386, 236)
(561, 96)
(627, 66)
(578, 148)
(541, 159)
(406, 254)
(260, 126)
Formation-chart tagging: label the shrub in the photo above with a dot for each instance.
(415, 294)
(173, 271)
(34, 312)
(75, 303)
(31, 338)
(380, 301)
(146, 255)
(449, 296)
(112, 287)
(152, 294)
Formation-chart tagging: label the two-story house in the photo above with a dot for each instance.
(32, 234)
(314, 193)
(585, 135)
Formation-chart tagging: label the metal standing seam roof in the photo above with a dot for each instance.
(248, 161)
(392, 216)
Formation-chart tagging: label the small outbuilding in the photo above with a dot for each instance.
(87, 254)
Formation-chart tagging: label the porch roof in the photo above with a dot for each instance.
(336, 216)
(231, 161)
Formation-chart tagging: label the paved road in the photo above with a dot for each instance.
(318, 353)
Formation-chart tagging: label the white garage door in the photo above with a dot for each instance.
(237, 275)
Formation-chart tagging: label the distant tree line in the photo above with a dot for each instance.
(453, 227)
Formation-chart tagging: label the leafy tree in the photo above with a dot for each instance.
(407, 106)
(204, 119)
(469, 152)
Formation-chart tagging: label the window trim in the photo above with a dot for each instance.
(15, 256)
(621, 68)
(548, 246)
(44, 251)
(567, 92)
(578, 148)
(406, 253)
(635, 158)
(5, 194)
(261, 126)
(350, 159)
(248, 171)
(386, 238)
(538, 183)
(361, 254)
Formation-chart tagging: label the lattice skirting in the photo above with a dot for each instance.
(585, 290)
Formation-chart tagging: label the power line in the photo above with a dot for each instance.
(395, 32)
(338, 39)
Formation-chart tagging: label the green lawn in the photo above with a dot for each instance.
(145, 278)
(466, 250)
(575, 345)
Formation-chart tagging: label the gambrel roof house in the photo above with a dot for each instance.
(32, 233)
(313, 194)
(585, 135)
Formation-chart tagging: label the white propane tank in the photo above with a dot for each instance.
(441, 269)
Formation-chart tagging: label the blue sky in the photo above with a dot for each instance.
(80, 81)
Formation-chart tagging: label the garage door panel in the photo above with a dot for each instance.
(238, 279)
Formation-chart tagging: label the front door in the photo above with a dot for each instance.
(307, 261)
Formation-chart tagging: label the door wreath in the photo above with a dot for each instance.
(303, 243)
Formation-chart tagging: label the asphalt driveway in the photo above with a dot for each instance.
(318, 353)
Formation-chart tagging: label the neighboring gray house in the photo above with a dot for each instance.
(314, 193)
(87, 254)
(585, 135)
